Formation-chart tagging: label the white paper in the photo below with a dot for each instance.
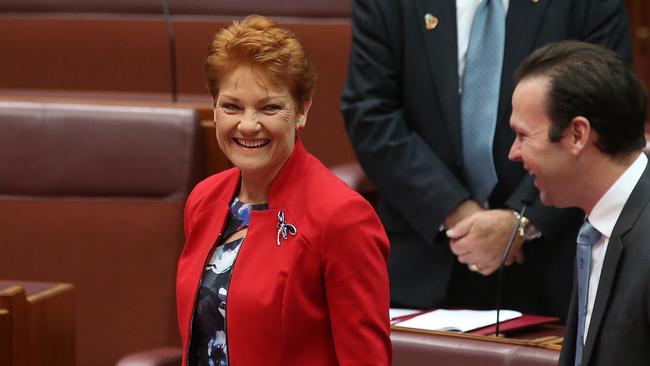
(458, 320)
(396, 313)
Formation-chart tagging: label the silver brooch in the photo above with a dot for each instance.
(284, 228)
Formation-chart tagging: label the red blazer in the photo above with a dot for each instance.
(319, 298)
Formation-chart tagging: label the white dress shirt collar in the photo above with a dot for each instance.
(607, 210)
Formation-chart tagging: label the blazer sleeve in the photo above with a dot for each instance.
(355, 252)
(606, 23)
(408, 173)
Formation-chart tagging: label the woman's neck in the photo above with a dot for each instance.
(254, 188)
(255, 184)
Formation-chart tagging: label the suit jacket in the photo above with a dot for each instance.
(402, 112)
(619, 331)
(320, 297)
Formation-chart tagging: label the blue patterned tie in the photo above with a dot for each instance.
(587, 237)
(480, 96)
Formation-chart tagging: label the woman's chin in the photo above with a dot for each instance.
(253, 166)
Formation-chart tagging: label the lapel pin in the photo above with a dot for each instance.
(430, 22)
(284, 228)
(535, 1)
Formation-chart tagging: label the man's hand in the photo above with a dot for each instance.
(480, 240)
(464, 210)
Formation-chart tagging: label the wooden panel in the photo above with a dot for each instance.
(102, 54)
(5, 344)
(51, 326)
(121, 255)
(639, 11)
(12, 299)
(36, 324)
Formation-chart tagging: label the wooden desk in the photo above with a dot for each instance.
(36, 323)
(537, 347)
(5, 347)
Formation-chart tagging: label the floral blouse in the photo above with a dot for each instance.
(208, 340)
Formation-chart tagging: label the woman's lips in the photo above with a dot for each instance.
(251, 143)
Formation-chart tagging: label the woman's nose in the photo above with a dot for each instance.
(250, 122)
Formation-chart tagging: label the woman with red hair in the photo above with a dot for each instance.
(283, 263)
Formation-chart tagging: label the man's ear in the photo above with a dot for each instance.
(580, 135)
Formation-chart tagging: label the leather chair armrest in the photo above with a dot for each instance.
(354, 176)
(169, 356)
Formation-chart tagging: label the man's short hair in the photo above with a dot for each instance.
(593, 82)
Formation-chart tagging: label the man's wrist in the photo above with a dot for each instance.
(527, 230)
(465, 209)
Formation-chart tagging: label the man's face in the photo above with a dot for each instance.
(548, 161)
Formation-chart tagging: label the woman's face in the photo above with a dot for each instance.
(256, 122)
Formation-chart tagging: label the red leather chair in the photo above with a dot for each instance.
(93, 195)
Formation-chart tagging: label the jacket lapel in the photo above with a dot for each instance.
(441, 45)
(635, 204)
(441, 48)
(607, 277)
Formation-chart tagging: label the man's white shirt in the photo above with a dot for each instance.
(603, 217)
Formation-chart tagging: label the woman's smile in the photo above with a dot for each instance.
(251, 143)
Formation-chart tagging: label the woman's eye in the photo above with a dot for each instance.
(230, 107)
(271, 108)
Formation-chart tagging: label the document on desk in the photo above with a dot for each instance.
(397, 315)
(457, 320)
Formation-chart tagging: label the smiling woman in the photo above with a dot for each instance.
(283, 263)
(256, 125)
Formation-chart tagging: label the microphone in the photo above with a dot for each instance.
(528, 191)
(529, 194)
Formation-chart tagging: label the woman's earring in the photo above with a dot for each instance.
(300, 123)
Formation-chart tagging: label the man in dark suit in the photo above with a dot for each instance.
(578, 114)
(402, 106)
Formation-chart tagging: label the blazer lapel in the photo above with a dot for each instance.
(636, 203)
(607, 277)
(441, 47)
(523, 21)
